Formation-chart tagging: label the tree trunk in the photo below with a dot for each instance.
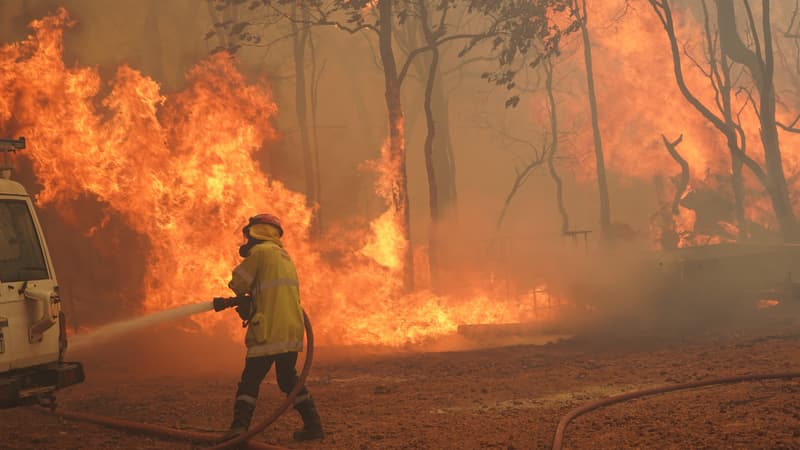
(396, 137)
(444, 158)
(444, 167)
(734, 146)
(434, 237)
(439, 163)
(602, 184)
(301, 108)
(731, 138)
(315, 77)
(669, 238)
(737, 183)
(551, 100)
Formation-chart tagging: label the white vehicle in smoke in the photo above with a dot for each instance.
(32, 325)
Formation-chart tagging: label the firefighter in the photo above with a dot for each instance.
(274, 321)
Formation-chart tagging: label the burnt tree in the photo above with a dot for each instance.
(761, 66)
(300, 40)
(719, 74)
(551, 155)
(600, 165)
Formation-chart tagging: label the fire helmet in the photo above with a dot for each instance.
(267, 219)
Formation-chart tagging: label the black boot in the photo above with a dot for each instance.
(312, 425)
(242, 415)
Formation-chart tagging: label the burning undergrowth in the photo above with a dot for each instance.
(182, 170)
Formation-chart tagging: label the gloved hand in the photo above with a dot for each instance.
(244, 310)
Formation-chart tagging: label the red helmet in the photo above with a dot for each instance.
(268, 219)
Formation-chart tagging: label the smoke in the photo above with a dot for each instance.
(610, 289)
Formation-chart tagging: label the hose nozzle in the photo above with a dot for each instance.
(221, 303)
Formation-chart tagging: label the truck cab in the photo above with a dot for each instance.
(32, 326)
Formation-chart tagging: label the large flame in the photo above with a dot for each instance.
(386, 246)
(182, 169)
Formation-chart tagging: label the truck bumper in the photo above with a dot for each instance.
(24, 386)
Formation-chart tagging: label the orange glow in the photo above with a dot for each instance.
(386, 244)
(767, 303)
(638, 100)
(182, 169)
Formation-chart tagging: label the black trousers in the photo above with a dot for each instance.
(256, 368)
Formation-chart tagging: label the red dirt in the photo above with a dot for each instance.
(503, 398)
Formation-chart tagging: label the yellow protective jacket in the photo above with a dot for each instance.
(269, 276)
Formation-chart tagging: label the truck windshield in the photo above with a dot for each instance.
(21, 255)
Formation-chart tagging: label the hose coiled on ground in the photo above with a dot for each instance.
(558, 439)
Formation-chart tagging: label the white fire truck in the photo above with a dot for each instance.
(32, 325)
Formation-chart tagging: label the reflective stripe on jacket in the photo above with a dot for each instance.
(269, 276)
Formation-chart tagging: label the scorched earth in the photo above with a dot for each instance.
(504, 397)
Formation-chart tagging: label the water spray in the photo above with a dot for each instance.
(115, 329)
(218, 304)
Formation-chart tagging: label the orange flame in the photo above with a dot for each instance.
(386, 244)
(182, 169)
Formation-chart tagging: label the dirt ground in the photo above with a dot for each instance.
(506, 397)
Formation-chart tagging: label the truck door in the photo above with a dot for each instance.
(29, 301)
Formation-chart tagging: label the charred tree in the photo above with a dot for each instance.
(602, 183)
(444, 155)
(397, 149)
(720, 78)
(434, 248)
(760, 64)
(437, 148)
(300, 38)
(551, 100)
(314, 90)
(668, 238)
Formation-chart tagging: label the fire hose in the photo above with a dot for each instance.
(243, 439)
(558, 439)
(198, 436)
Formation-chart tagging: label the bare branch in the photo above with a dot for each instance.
(323, 21)
(695, 62)
(788, 33)
(750, 100)
(519, 180)
(664, 13)
(741, 152)
(791, 127)
(418, 51)
(719, 83)
(752, 24)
